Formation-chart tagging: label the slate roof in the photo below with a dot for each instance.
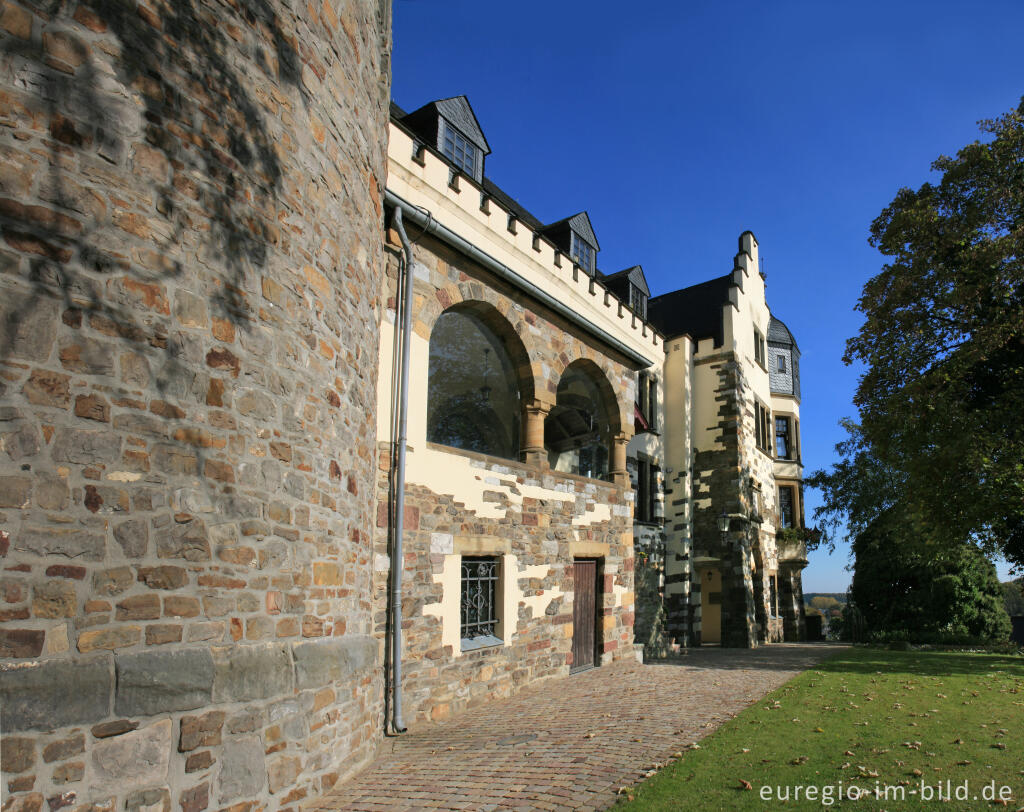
(580, 223)
(513, 206)
(459, 112)
(634, 274)
(778, 333)
(696, 310)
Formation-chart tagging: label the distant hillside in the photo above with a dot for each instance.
(839, 596)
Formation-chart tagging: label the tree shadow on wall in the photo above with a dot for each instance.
(151, 126)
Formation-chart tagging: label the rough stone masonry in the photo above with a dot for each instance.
(190, 260)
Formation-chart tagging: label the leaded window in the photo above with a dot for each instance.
(646, 414)
(582, 253)
(473, 398)
(786, 506)
(479, 601)
(762, 427)
(577, 434)
(458, 149)
(783, 439)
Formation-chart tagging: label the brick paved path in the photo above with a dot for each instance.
(569, 743)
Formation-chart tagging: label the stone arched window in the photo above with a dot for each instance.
(473, 384)
(578, 430)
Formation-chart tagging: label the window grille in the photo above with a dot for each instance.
(479, 605)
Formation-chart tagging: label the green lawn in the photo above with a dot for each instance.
(885, 721)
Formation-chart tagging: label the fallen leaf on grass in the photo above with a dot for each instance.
(746, 784)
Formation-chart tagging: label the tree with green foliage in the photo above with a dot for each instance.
(1013, 598)
(940, 431)
(908, 587)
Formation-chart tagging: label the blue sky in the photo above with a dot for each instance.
(679, 125)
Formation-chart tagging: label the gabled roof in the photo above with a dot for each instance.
(459, 112)
(778, 333)
(635, 275)
(580, 223)
(696, 310)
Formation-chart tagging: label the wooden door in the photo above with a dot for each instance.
(584, 613)
(710, 606)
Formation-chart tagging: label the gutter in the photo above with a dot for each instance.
(397, 555)
(460, 244)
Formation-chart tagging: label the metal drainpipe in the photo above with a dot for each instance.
(397, 559)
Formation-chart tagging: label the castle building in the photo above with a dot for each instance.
(306, 424)
(734, 552)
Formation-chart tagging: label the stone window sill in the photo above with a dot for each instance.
(483, 642)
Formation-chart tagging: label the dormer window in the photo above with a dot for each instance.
(582, 253)
(637, 301)
(459, 150)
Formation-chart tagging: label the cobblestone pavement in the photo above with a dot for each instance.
(569, 743)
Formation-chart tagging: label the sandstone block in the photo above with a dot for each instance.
(55, 693)
(197, 762)
(153, 682)
(45, 388)
(54, 599)
(181, 606)
(195, 799)
(148, 800)
(86, 446)
(15, 491)
(29, 322)
(282, 773)
(243, 773)
(139, 607)
(133, 536)
(318, 663)
(163, 577)
(17, 754)
(88, 356)
(200, 731)
(105, 730)
(134, 760)
(92, 407)
(187, 540)
(51, 492)
(190, 309)
(64, 748)
(117, 637)
(251, 672)
(112, 581)
(68, 541)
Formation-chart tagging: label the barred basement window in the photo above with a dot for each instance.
(479, 602)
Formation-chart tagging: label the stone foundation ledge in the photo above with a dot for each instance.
(266, 724)
(49, 694)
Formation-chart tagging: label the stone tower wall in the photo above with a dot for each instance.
(190, 257)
